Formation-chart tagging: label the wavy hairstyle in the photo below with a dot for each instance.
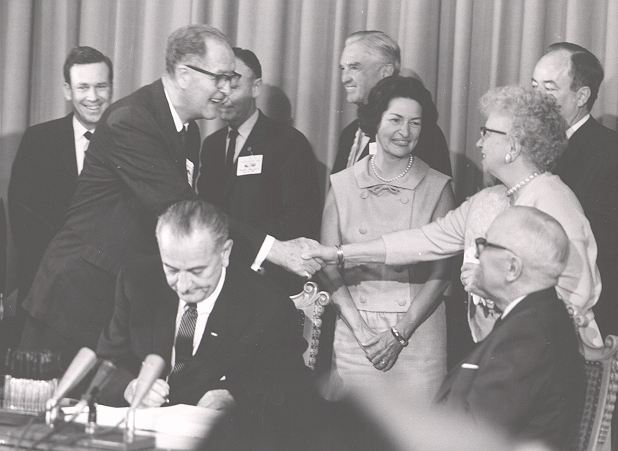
(396, 87)
(190, 42)
(536, 122)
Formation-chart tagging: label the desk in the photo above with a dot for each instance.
(174, 428)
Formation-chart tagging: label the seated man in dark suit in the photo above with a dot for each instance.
(227, 336)
(527, 375)
(279, 195)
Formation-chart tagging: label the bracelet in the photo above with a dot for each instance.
(340, 256)
(402, 341)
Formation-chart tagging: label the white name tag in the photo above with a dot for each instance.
(249, 165)
(190, 168)
(470, 366)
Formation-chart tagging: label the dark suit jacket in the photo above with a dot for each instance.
(529, 376)
(43, 179)
(432, 149)
(252, 344)
(282, 201)
(589, 166)
(134, 169)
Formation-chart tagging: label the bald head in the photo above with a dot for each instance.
(525, 251)
(536, 237)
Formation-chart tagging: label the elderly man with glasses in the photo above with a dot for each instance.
(527, 375)
(142, 158)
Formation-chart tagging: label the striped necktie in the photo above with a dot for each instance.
(184, 337)
(231, 151)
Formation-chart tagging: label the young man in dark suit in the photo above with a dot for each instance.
(241, 351)
(368, 57)
(141, 159)
(47, 163)
(265, 175)
(527, 375)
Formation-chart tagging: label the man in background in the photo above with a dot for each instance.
(589, 166)
(368, 57)
(527, 376)
(46, 166)
(260, 171)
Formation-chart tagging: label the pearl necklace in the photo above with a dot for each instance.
(373, 167)
(522, 183)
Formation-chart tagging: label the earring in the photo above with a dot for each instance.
(507, 158)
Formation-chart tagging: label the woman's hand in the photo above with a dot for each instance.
(382, 350)
(327, 254)
(468, 277)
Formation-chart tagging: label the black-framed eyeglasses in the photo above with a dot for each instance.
(220, 79)
(482, 243)
(484, 131)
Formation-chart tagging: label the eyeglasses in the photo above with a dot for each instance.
(484, 131)
(220, 79)
(482, 243)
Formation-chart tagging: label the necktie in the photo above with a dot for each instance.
(88, 135)
(184, 337)
(355, 151)
(231, 150)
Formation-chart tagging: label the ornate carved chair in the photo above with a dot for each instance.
(310, 303)
(602, 385)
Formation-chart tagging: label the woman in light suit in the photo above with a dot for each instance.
(391, 320)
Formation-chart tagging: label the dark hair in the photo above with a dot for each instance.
(186, 216)
(586, 69)
(190, 41)
(394, 87)
(382, 44)
(250, 60)
(85, 55)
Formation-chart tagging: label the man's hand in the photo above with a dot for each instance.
(156, 397)
(287, 254)
(218, 400)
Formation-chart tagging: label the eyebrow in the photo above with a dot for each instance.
(545, 82)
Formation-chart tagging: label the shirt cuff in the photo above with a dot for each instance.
(263, 253)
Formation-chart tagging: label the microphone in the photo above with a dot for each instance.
(100, 379)
(83, 362)
(151, 369)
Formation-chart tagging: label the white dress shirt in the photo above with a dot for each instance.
(81, 143)
(203, 313)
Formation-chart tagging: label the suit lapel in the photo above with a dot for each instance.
(164, 119)
(69, 159)
(251, 147)
(224, 326)
(163, 331)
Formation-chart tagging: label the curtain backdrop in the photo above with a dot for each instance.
(460, 49)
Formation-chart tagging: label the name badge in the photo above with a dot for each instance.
(249, 165)
(190, 168)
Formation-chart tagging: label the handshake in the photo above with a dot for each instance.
(301, 256)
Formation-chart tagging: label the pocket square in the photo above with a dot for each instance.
(223, 378)
(214, 334)
(470, 366)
